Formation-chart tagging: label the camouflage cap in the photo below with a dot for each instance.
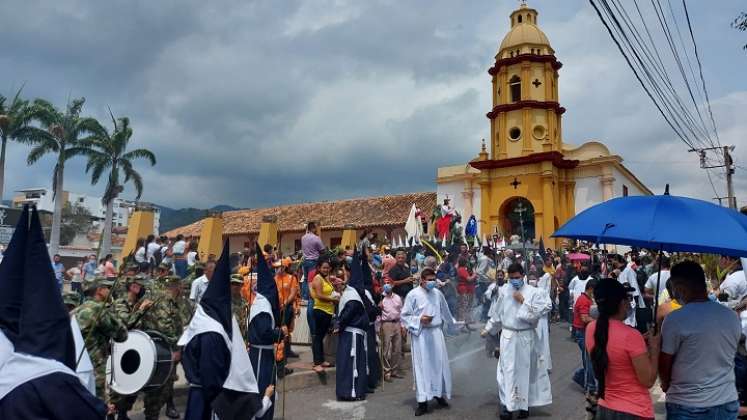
(170, 281)
(99, 282)
(164, 266)
(71, 298)
(132, 266)
(237, 279)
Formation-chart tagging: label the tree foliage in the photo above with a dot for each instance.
(76, 219)
(108, 151)
(740, 23)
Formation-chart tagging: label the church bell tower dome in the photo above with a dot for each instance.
(525, 37)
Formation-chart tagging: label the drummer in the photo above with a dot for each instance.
(162, 318)
(99, 324)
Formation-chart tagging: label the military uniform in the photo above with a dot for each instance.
(164, 318)
(239, 307)
(99, 324)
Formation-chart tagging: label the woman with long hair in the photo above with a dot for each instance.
(325, 298)
(624, 364)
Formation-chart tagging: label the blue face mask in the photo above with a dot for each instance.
(430, 285)
(517, 283)
(387, 288)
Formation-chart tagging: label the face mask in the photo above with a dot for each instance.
(631, 310)
(517, 283)
(430, 285)
(532, 283)
(387, 288)
(413, 270)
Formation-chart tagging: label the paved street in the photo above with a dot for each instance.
(474, 389)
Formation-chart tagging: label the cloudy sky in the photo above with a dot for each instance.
(255, 103)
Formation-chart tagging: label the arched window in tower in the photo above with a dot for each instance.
(515, 86)
(519, 19)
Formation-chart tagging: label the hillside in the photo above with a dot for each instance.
(171, 218)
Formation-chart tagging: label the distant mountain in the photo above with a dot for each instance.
(172, 219)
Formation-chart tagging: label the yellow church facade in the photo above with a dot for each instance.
(527, 181)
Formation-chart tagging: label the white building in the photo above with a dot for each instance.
(43, 200)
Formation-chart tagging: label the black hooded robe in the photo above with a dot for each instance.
(262, 332)
(57, 396)
(347, 385)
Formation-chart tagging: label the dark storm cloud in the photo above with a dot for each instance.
(265, 102)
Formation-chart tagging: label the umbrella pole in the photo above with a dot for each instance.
(656, 292)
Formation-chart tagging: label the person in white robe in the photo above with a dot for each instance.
(543, 325)
(522, 375)
(629, 276)
(424, 314)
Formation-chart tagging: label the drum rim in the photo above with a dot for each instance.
(110, 364)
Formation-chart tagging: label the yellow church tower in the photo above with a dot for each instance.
(526, 184)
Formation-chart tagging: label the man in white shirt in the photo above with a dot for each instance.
(578, 284)
(152, 246)
(735, 283)
(650, 287)
(200, 284)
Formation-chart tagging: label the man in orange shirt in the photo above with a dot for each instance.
(290, 298)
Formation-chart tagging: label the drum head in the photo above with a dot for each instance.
(131, 363)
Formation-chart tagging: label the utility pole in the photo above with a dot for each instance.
(728, 165)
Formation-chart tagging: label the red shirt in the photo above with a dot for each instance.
(622, 391)
(582, 307)
(465, 285)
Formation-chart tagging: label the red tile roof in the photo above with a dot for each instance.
(389, 210)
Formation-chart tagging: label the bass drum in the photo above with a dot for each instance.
(142, 361)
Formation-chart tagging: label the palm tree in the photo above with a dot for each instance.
(109, 151)
(13, 117)
(60, 134)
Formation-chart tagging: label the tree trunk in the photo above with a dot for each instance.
(59, 203)
(2, 167)
(106, 234)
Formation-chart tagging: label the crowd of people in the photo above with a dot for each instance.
(637, 318)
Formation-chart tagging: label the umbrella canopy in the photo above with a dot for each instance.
(578, 256)
(667, 222)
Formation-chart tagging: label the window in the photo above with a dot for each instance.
(515, 86)
(625, 190)
(81, 199)
(514, 133)
(519, 19)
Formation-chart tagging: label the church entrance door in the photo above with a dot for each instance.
(515, 212)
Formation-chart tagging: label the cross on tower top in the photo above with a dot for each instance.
(515, 183)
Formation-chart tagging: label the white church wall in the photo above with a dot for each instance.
(622, 180)
(588, 193)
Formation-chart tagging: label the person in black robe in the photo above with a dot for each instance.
(352, 321)
(373, 311)
(214, 357)
(263, 332)
(37, 350)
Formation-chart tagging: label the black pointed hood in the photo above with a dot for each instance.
(44, 323)
(11, 278)
(217, 298)
(266, 285)
(367, 274)
(356, 273)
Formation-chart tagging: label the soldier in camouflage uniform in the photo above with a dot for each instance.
(71, 300)
(130, 308)
(163, 317)
(99, 324)
(238, 305)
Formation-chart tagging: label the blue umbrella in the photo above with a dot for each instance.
(664, 222)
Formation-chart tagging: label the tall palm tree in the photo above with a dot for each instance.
(108, 151)
(13, 117)
(60, 134)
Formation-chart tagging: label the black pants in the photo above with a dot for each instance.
(321, 328)
(607, 414)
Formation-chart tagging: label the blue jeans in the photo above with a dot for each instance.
(307, 266)
(726, 411)
(180, 268)
(584, 376)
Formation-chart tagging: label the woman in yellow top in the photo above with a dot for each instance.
(325, 298)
